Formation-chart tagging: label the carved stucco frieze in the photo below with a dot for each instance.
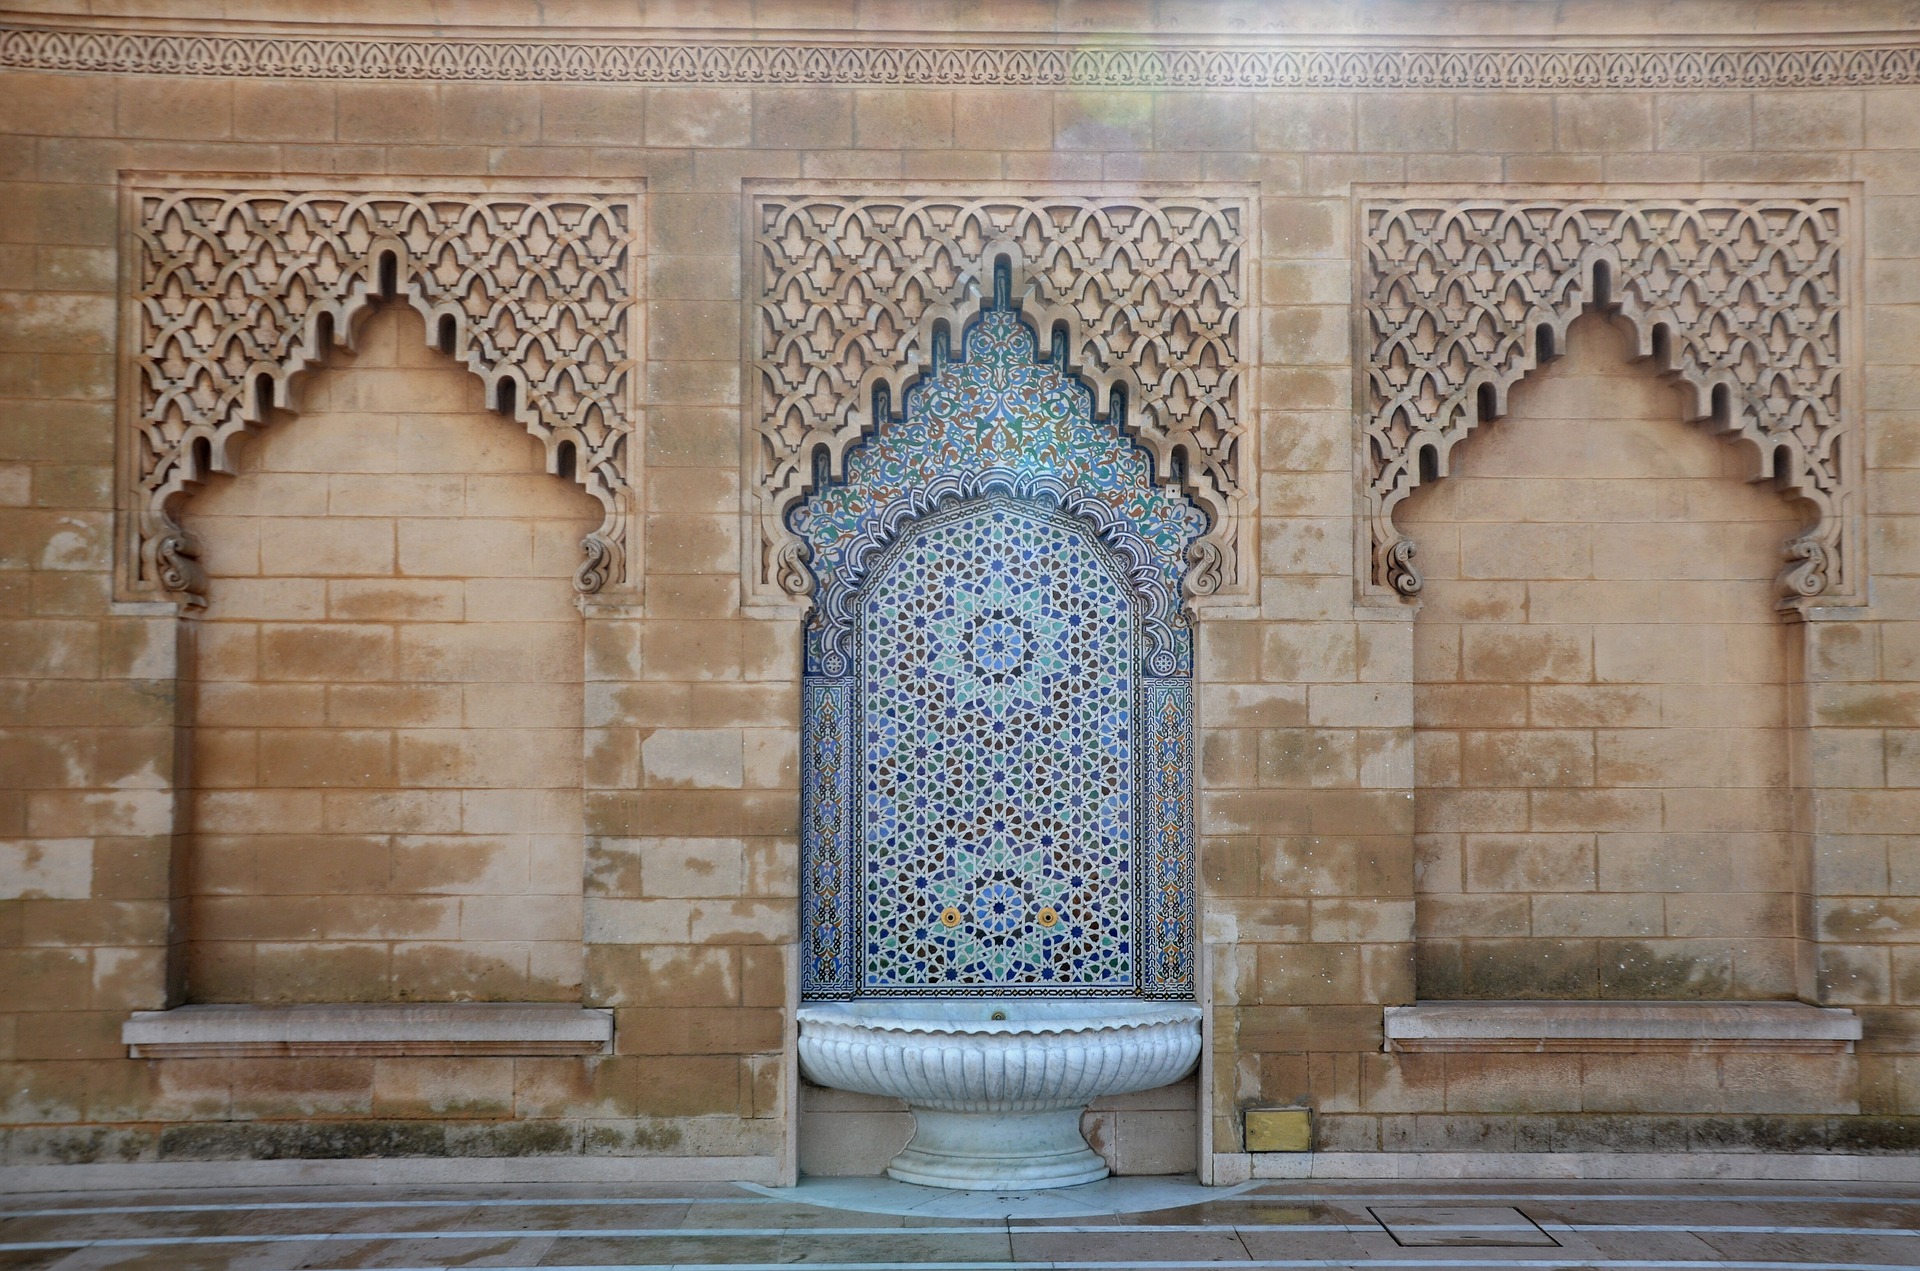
(1251, 61)
(1149, 292)
(1743, 300)
(234, 292)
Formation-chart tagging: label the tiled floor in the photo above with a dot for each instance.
(874, 1225)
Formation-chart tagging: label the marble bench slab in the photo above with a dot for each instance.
(456, 1028)
(1639, 1027)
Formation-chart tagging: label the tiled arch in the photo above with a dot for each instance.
(1003, 447)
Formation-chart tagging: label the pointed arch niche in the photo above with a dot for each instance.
(997, 784)
(1602, 750)
(1747, 300)
(387, 699)
(232, 291)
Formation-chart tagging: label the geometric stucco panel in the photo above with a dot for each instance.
(849, 290)
(234, 291)
(1744, 300)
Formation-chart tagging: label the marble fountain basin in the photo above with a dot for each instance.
(997, 1087)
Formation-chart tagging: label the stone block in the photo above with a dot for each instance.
(1529, 862)
(1441, 810)
(694, 758)
(1309, 975)
(1300, 757)
(293, 758)
(1304, 122)
(802, 118)
(1530, 969)
(46, 869)
(456, 864)
(1003, 119)
(895, 119)
(1102, 121)
(692, 1085)
(1704, 121)
(1531, 654)
(47, 104)
(697, 1031)
(388, 113)
(591, 114)
(1503, 122)
(173, 108)
(1406, 121)
(1826, 121)
(1527, 758)
(1603, 122)
(307, 971)
(443, 1089)
(1202, 121)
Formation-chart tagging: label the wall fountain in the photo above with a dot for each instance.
(997, 821)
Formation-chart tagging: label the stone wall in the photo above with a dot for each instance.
(386, 699)
(1345, 864)
(1600, 709)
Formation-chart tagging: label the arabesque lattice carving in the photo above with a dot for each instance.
(1149, 294)
(1741, 300)
(238, 291)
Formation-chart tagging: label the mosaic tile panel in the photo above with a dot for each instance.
(997, 675)
(826, 888)
(997, 789)
(1168, 819)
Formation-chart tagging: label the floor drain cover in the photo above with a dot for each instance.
(1462, 1226)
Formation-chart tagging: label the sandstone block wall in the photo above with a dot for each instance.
(1602, 773)
(386, 699)
(1592, 761)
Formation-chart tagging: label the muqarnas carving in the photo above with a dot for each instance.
(1148, 294)
(237, 291)
(1741, 300)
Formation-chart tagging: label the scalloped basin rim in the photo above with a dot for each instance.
(1024, 1015)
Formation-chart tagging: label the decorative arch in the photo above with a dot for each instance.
(236, 292)
(1744, 301)
(1145, 294)
(1004, 445)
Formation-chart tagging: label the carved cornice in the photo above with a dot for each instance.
(907, 60)
(234, 291)
(1149, 292)
(1744, 300)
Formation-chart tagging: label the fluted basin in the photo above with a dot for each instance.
(997, 1101)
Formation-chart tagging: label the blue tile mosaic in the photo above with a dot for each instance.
(997, 747)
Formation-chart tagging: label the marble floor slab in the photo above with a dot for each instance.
(879, 1225)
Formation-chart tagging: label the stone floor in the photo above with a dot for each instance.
(879, 1226)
